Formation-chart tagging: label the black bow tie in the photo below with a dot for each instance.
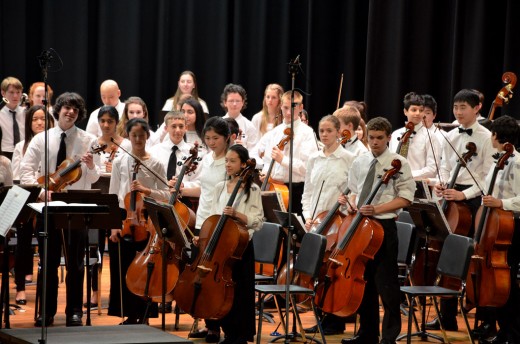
(467, 131)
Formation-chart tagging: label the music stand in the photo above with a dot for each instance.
(104, 215)
(282, 218)
(270, 203)
(24, 216)
(166, 224)
(430, 224)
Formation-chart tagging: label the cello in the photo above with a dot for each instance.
(144, 275)
(134, 226)
(406, 137)
(343, 287)
(459, 221)
(69, 171)
(489, 279)
(270, 184)
(205, 289)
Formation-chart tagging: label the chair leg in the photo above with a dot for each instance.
(99, 288)
(437, 310)
(261, 298)
(318, 322)
(464, 315)
(411, 314)
(282, 318)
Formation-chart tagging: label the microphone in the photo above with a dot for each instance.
(49, 58)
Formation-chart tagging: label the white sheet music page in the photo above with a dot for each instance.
(11, 207)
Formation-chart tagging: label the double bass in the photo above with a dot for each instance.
(343, 287)
(269, 184)
(459, 219)
(504, 95)
(69, 171)
(205, 288)
(489, 279)
(144, 275)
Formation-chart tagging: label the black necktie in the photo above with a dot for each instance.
(16, 129)
(367, 185)
(172, 163)
(62, 152)
(467, 131)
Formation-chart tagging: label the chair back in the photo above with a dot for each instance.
(405, 217)
(310, 256)
(266, 243)
(455, 256)
(406, 237)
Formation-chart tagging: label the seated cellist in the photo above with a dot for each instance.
(506, 196)
(380, 273)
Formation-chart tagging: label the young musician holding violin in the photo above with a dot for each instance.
(350, 118)
(506, 196)
(304, 147)
(380, 273)
(466, 106)
(65, 141)
(326, 178)
(123, 184)
(239, 324)
(212, 171)
(418, 148)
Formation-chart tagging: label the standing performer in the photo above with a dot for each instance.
(65, 140)
(350, 118)
(270, 115)
(506, 196)
(380, 273)
(12, 116)
(122, 183)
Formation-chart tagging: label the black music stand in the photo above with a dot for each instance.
(24, 216)
(282, 218)
(166, 224)
(104, 215)
(270, 203)
(430, 225)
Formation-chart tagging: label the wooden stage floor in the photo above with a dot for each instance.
(24, 317)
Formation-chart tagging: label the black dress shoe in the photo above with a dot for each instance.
(500, 338)
(484, 330)
(328, 331)
(198, 334)
(48, 322)
(359, 340)
(74, 320)
(21, 302)
(436, 325)
(213, 337)
(167, 307)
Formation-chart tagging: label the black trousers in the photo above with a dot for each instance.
(74, 249)
(23, 255)
(382, 281)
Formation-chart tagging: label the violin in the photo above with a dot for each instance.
(134, 226)
(489, 278)
(345, 136)
(144, 275)
(342, 289)
(270, 184)
(205, 288)
(69, 171)
(405, 138)
(504, 95)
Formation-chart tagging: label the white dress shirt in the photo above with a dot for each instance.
(479, 164)
(257, 122)
(17, 159)
(252, 208)
(78, 143)
(355, 146)
(104, 156)
(6, 174)
(163, 151)
(423, 161)
(403, 186)
(122, 168)
(304, 147)
(168, 105)
(212, 172)
(249, 132)
(507, 184)
(6, 127)
(328, 174)
(93, 124)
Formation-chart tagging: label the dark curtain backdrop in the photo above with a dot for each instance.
(384, 48)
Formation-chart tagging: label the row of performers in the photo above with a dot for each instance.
(220, 163)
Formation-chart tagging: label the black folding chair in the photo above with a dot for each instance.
(453, 262)
(308, 262)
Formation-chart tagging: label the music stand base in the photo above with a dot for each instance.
(423, 335)
(294, 337)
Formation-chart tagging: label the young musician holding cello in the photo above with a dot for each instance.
(65, 140)
(380, 273)
(466, 106)
(506, 196)
(123, 183)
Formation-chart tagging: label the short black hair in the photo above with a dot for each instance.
(506, 129)
(467, 96)
(429, 102)
(412, 98)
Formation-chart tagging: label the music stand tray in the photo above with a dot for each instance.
(283, 219)
(428, 220)
(164, 219)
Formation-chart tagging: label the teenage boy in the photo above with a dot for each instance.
(12, 116)
(349, 119)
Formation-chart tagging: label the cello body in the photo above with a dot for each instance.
(205, 288)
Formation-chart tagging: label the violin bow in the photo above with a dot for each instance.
(463, 163)
(433, 150)
(339, 92)
(161, 179)
(317, 201)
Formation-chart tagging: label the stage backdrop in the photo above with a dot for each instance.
(384, 48)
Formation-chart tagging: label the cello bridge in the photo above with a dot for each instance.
(203, 270)
(336, 262)
(476, 256)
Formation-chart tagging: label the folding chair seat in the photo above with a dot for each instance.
(453, 262)
(308, 262)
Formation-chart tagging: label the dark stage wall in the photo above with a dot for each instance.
(385, 48)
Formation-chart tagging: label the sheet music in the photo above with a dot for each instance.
(280, 200)
(426, 189)
(11, 207)
(39, 205)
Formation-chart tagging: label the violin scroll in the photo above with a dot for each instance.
(345, 136)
